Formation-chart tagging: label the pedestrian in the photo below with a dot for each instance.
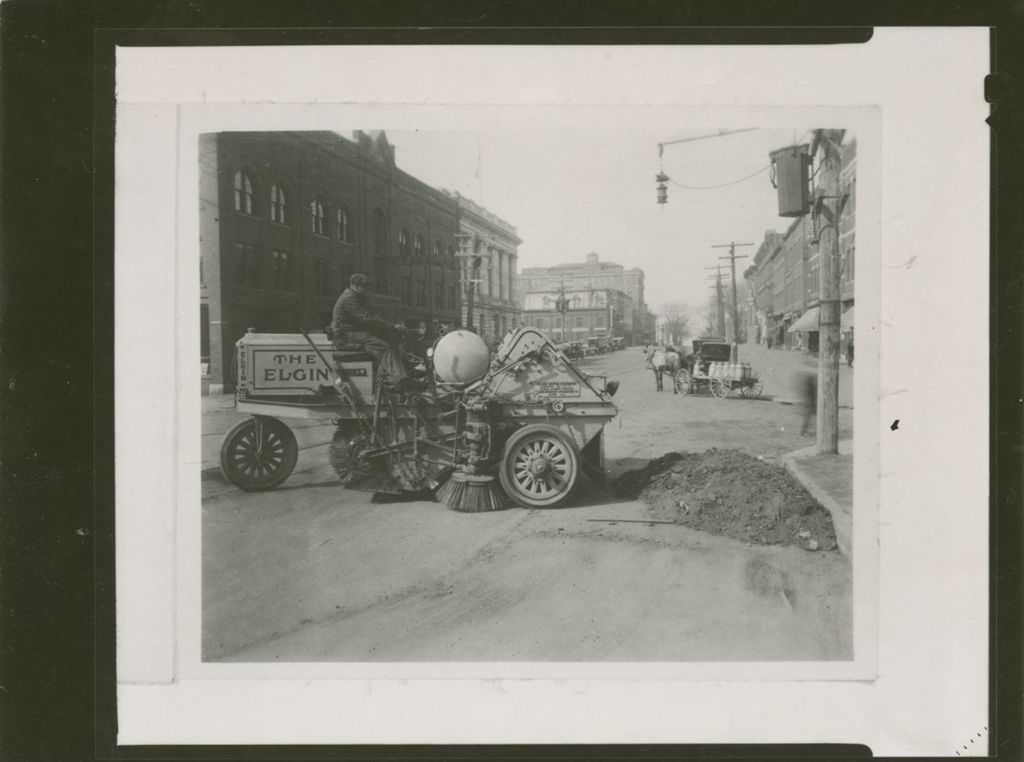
(807, 389)
(770, 342)
(849, 350)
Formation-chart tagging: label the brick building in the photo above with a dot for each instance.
(287, 217)
(592, 313)
(496, 303)
(596, 275)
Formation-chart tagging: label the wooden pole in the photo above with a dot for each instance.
(721, 305)
(735, 338)
(473, 268)
(828, 207)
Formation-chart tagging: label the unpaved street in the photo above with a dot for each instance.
(313, 572)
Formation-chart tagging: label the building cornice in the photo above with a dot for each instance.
(484, 217)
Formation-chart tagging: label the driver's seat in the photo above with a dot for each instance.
(352, 353)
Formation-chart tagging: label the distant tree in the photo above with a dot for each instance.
(676, 321)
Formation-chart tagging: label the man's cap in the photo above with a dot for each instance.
(358, 279)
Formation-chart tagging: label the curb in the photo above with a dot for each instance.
(842, 521)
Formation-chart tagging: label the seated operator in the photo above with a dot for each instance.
(354, 323)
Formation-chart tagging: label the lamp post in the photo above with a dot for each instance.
(562, 305)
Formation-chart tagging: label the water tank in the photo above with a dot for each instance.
(461, 357)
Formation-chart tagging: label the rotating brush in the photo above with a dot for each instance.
(472, 493)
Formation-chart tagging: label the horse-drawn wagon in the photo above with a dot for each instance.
(710, 369)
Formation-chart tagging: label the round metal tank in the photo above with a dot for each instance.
(461, 357)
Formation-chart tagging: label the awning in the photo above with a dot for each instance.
(807, 322)
(846, 320)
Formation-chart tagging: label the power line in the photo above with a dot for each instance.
(723, 185)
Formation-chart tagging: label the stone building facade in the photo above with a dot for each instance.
(591, 313)
(287, 217)
(593, 274)
(497, 308)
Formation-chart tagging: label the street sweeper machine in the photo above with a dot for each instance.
(482, 431)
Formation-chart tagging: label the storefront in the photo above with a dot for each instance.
(806, 327)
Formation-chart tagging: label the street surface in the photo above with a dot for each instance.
(311, 571)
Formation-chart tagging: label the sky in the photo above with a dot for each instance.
(571, 192)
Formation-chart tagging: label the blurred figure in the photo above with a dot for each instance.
(849, 350)
(770, 341)
(807, 392)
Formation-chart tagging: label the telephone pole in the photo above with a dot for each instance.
(826, 219)
(735, 311)
(720, 300)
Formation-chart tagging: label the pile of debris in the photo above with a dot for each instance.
(733, 494)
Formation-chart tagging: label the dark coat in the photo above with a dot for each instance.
(353, 313)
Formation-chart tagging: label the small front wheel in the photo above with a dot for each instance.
(539, 466)
(720, 388)
(259, 454)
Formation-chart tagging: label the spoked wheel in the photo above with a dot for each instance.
(753, 390)
(539, 466)
(682, 381)
(720, 388)
(259, 454)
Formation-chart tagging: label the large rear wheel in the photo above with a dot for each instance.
(754, 389)
(259, 454)
(539, 467)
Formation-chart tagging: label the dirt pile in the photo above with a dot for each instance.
(730, 493)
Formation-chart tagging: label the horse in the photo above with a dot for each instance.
(664, 360)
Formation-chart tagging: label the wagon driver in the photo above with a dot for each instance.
(355, 324)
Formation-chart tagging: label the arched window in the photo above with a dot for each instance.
(451, 250)
(316, 215)
(436, 249)
(403, 243)
(417, 246)
(344, 231)
(243, 192)
(278, 205)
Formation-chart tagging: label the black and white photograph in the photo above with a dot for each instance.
(581, 389)
(528, 395)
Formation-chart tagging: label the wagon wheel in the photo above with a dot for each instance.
(258, 454)
(720, 388)
(539, 466)
(682, 381)
(753, 389)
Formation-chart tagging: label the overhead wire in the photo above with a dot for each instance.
(724, 185)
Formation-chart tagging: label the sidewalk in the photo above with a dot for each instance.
(829, 479)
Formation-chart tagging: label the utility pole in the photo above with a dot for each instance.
(467, 252)
(720, 300)
(731, 246)
(826, 219)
